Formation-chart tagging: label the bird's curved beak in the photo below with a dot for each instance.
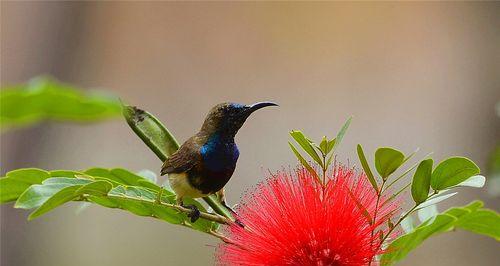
(256, 106)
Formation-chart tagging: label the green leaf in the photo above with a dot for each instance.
(152, 132)
(388, 160)
(452, 171)
(65, 173)
(323, 145)
(16, 182)
(47, 99)
(330, 146)
(29, 175)
(10, 189)
(149, 185)
(341, 133)
(133, 192)
(118, 175)
(484, 222)
(422, 181)
(470, 217)
(304, 162)
(36, 195)
(301, 139)
(96, 188)
(66, 181)
(366, 167)
(62, 196)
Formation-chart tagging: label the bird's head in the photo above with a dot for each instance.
(227, 118)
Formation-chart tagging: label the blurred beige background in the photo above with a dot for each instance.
(412, 74)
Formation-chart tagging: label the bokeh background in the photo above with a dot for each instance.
(412, 74)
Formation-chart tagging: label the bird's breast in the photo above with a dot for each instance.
(219, 156)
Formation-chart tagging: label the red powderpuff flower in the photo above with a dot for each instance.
(294, 220)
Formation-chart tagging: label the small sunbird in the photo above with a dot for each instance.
(206, 161)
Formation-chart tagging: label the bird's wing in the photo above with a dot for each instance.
(185, 158)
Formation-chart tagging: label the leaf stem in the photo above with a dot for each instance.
(374, 220)
(324, 170)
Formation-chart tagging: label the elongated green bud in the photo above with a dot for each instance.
(154, 134)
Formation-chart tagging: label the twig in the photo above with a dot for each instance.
(225, 239)
(221, 237)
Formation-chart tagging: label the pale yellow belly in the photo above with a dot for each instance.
(180, 184)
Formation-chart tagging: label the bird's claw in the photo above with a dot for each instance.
(194, 214)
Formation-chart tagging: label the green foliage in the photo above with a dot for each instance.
(471, 217)
(366, 167)
(341, 133)
(326, 148)
(388, 160)
(306, 145)
(449, 174)
(304, 162)
(111, 188)
(453, 171)
(60, 197)
(422, 181)
(47, 99)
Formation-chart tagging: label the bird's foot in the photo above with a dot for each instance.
(194, 214)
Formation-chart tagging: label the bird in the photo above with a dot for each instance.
(205, 162)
